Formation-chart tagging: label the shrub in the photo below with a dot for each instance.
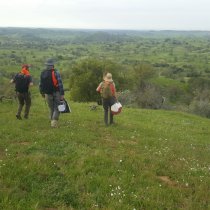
(127, 97)
(201, 103)
(86, 76)
(149, 97)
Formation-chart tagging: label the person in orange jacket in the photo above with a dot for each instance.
(23, 81)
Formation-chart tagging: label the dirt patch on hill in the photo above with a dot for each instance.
(168, 181)
(24, 143)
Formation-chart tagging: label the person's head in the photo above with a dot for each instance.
(108, 77)
(50, 62)
(25, 69)
(26, 66)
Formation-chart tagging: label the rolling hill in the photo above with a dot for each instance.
(149, 159)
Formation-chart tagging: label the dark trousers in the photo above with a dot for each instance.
(24, 99)
(108, 116)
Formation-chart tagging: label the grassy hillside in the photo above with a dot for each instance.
(147, 160)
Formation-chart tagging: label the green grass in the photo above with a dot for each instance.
(147, 160)
(166, 83)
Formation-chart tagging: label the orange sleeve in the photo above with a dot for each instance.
(112, 86)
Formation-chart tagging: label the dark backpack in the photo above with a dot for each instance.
(46, 83)
(106, 91)
(21, 83)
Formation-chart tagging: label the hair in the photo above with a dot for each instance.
(26, 66)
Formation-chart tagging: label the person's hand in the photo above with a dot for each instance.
(61, 98)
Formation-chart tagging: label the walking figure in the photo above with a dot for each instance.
(51, 88)
(23, 81)
(108, 94)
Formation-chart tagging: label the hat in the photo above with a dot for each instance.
(50, 62)
(108, 77)
(26, 66)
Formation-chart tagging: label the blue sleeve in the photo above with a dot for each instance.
(60, 83)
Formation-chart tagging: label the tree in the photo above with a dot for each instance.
(87, 74)
(147, 95)
(201, 103)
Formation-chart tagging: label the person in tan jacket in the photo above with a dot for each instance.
(108, 93)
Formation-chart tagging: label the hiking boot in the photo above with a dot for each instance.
(18, 117)
(54, 123)
(26, 117)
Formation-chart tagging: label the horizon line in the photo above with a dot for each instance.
(104, 29)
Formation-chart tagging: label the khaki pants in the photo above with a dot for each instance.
(53, 100)
(24, 99)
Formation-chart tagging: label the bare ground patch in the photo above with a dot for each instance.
(24, 143)
(168, 181)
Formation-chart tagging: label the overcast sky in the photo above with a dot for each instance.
(107, 14)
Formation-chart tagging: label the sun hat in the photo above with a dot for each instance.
(108, 77)
(50, 62)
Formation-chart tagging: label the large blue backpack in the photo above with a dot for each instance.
(46, 82)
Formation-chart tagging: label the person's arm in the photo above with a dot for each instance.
(13, 79)
(98, 89)
(113, 89)
(30, 81)
(60, 84)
